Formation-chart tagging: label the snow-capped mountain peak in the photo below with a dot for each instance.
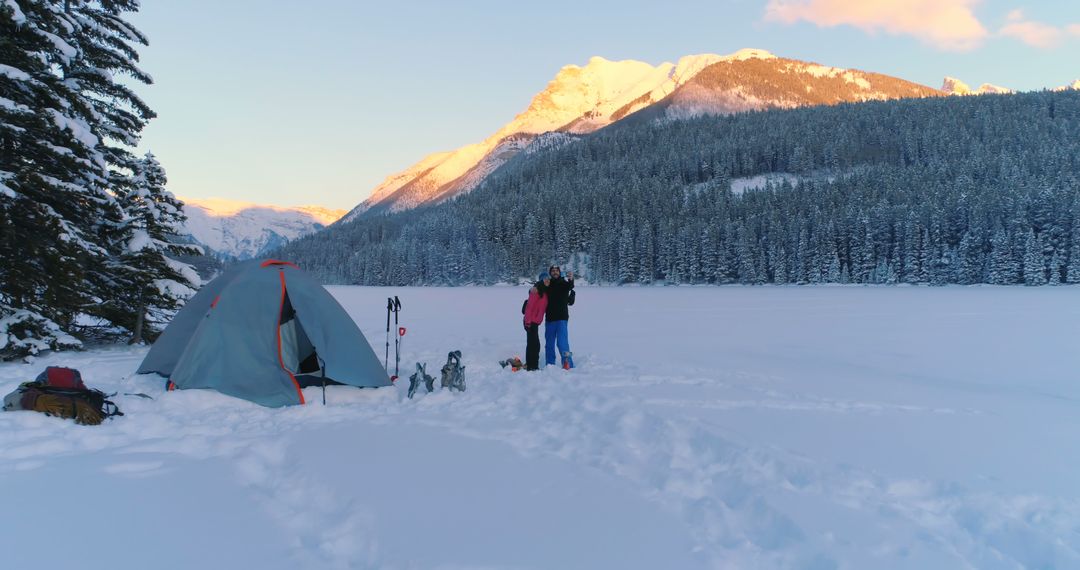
(246, 229)
(953, 86)
(579, 99)
(749, 53)
(1073, 85)
(582, 99)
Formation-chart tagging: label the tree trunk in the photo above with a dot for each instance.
(136, 338)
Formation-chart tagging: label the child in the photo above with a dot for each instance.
(535, 308)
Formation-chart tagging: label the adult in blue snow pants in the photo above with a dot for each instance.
(560, 296)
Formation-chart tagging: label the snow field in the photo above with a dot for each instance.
(769, 427)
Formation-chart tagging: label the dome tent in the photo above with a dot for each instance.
(261, 331)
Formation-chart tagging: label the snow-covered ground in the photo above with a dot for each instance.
(769, 427)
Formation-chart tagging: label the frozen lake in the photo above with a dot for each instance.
(747, 427)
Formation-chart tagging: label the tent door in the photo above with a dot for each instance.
(297, 352)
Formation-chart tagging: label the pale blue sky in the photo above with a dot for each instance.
(316, 102)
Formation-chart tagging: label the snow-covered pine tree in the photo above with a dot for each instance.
(628, 260)
(65, 128)
(106, 45)
(1034, 263)
(1072, 266)
(156, 283)
(52, 180)
(971, 260)
(1001, 263)
(748, 273)
(647, 253)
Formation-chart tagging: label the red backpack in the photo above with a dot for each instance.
(60, 377)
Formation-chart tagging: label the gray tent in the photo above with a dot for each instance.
(261, 331)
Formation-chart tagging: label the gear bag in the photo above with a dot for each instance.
(60, 392)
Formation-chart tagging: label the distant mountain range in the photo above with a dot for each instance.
(935, 190)
(243, 230)
(953, 86)
(581, 100)
(578, 101)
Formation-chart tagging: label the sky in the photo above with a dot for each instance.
(317, 102)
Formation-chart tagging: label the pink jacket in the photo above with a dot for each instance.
(535, 307)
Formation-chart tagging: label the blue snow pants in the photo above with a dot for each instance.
(555, 333)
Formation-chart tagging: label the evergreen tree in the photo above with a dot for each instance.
(53, 175)
(628, 269)
(154, 283)
(66, 127)
(1072, 265)
(1002, 271)
(1034, 264)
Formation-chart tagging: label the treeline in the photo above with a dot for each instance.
(86, 227)
(940, 190)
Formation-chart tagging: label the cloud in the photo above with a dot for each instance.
(945, 24)
(1036, 34)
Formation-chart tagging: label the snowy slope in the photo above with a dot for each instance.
(748, 84)
(584, 99)
(578, 100)
(244, 229)
(767, 427)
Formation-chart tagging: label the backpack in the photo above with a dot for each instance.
(60, 377)
(60, 392)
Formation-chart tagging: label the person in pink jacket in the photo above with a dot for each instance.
(535, 308)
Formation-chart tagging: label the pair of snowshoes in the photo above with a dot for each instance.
(453, 373)
(419, 376)
(453, 376)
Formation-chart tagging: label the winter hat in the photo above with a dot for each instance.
(543, 275)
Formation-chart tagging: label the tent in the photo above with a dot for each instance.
(261, 331)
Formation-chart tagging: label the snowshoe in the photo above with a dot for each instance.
(567, 360)
(453, 373)
(420, 375)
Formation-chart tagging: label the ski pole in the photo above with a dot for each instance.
(397, 338)
(386, 357)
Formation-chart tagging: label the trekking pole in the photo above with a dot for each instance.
(322, 372)
(386, 357)
(397, 338)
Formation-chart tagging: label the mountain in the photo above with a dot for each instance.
(953, 86)
(920, 190)
(751, 84)
(581, 100)
(1073, 85)
(243, 229)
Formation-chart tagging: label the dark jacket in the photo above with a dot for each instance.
(558, 295)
